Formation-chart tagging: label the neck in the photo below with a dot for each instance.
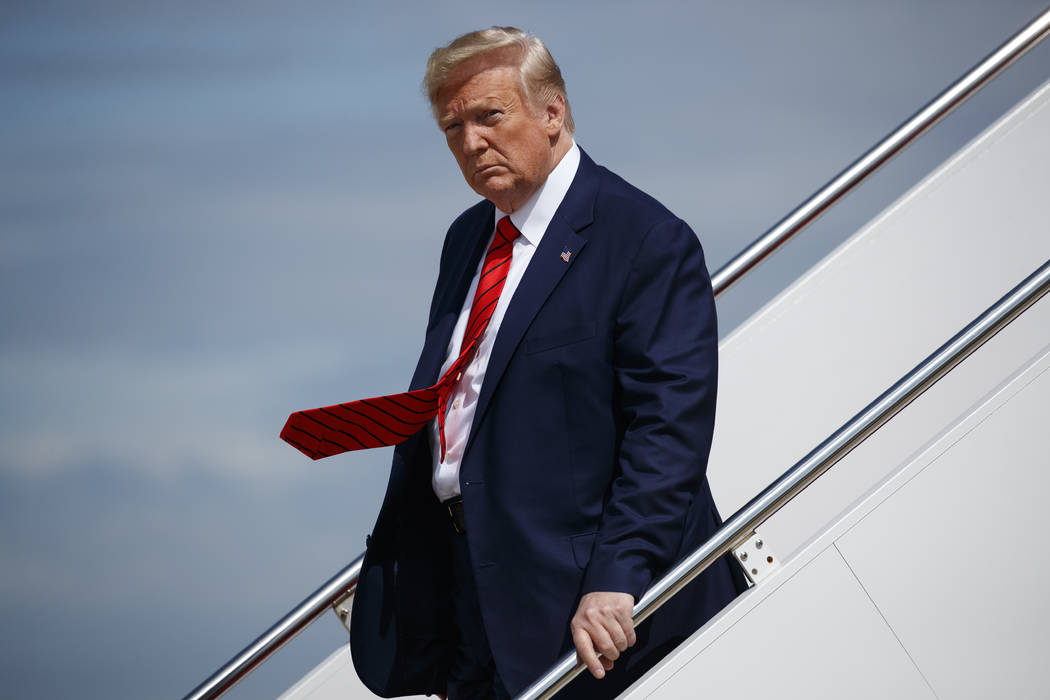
(561, 143)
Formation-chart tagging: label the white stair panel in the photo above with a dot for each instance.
(947, 553)
(959, 562)
(334, 677)
(871, 311)
(799, 643)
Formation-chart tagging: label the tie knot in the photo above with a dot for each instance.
(506, 229)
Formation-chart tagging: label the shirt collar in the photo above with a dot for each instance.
(533, 217)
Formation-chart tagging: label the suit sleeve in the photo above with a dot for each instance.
(666, 367)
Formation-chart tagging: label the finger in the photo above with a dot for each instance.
(585, 652)
(623, 616)
(603, 640)
(618, 635)
(607, 663)
(602, 625)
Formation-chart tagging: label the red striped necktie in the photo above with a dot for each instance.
(388, 420)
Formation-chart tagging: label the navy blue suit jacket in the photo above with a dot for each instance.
(585, 466)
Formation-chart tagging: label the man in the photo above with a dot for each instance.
(566, 395)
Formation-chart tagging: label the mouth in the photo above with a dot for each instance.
(482, 169)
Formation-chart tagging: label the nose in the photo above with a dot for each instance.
(473, 139)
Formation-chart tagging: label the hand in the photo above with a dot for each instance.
(602, 623)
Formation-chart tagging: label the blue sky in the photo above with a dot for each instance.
(212, 214)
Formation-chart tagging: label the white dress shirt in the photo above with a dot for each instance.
(531, 219)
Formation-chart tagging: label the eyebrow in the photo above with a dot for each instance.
(476, 105)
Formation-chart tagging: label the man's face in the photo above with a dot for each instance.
(502, 144)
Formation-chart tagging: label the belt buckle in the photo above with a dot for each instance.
(450, 506)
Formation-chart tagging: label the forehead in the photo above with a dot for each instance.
(491, 75)
(500, 82)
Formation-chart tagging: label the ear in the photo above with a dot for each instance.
(555, 114)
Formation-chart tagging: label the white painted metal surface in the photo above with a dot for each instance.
(756, 558)
(808, 361)
(332, 678)
(934, 551)
(964, 585)
(870, 311)
(815, 618)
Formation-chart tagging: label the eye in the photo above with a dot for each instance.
(492, 115)
(451, 128)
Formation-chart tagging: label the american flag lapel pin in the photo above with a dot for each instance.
(566, 254)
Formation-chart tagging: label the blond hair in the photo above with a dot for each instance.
(541, 80)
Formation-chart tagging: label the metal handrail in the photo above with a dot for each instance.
(345, 581)
(745, 521)
(881, 153)
(339, 586)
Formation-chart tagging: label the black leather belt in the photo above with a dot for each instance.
(455, 513)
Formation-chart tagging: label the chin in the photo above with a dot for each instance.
(495, 191)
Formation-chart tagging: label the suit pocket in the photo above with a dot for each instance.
(548, 340)
(581, 548)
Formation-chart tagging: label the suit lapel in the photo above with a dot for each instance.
(544, 272)
(450, 300)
